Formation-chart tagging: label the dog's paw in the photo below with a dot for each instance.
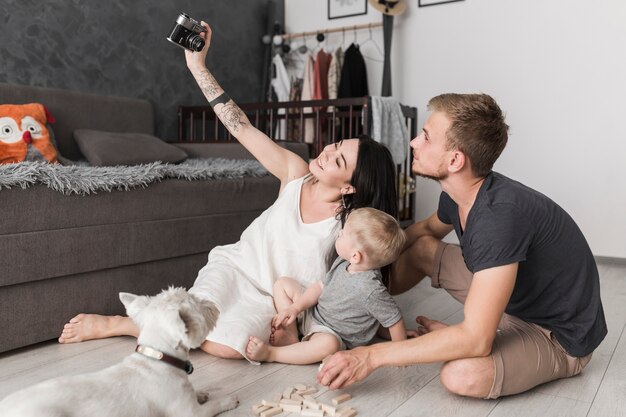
(202, 396)
(228, 403)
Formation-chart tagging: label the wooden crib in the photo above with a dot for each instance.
(316, 122)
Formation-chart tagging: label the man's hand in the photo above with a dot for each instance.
(285, 317)
(197, 60)
(345, 368)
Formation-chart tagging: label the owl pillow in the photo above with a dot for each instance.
(24, 135)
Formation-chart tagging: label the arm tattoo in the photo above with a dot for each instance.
(208, 85)
(231, 115)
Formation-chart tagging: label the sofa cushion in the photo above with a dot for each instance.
(60, 235)
(74, 110)
(24, 134)
(57, 253)
(112, 148)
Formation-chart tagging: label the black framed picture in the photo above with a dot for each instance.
(346, 8)
(425, 3)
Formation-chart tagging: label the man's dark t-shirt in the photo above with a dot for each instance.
(557, 285)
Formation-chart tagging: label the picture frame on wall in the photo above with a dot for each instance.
(346, 8)
(425, 3)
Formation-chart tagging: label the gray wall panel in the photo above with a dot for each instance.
(118, 47)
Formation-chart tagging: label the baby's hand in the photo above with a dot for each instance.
(410, 333)
(285, 317)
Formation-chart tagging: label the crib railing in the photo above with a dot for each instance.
(315, 122)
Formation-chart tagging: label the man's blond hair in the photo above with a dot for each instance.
(377, 234)
(477, 128)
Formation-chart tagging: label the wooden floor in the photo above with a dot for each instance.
(413, 391)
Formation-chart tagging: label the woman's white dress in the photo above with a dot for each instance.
(239, 277)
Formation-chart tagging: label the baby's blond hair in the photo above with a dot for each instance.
(377, 234)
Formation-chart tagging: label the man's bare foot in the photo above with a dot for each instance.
(89, 326)
(427, 325)
(284, 336)
(257, 350)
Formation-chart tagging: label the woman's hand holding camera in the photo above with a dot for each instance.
(197, 60)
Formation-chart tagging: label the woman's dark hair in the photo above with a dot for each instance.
(374, 179)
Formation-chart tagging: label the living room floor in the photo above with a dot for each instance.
(412, 391)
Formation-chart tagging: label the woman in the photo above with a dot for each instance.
(294, 237)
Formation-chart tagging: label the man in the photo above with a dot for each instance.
(524, 271)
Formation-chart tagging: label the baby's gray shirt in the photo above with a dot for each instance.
(353, 305)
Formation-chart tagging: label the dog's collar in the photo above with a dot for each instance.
(158, 355)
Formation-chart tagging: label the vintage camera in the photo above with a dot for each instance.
(186, 33)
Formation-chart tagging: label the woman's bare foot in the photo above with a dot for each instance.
(94, 326)
(257, 350)
(282, 336)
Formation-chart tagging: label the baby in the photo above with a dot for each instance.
(347, 307)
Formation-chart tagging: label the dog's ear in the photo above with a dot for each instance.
(126, 298)
(199, 317)
(133, 303)
(210, 313)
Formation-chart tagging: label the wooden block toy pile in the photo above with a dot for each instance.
(299, 399)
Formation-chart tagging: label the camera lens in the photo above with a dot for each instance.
(195, 43)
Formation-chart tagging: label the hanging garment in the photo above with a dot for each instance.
(320, 92)
(389, 127)
(353, 82)
(295, 62)
(294, 125)
(334, 74)
(280, 82)
(308, 87)
(322, 64)
(281, 86)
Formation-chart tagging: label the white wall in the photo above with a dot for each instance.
(556, 67)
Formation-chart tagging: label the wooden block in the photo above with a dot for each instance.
(270, 403)
(277, 398)
(309, 397)
(300, 387)
(346, 412)
(291, 407)
(328, 409)
(311, 404)
(290, 401)
(297, 397)
(287, 392)
(271, 412)
(259, 408)
(312, 413)
(308, 391)
(342, 398)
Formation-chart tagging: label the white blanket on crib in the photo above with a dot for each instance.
(239, 278)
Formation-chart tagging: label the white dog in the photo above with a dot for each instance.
(151, 382)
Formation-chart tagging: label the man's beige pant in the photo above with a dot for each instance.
(524, 354)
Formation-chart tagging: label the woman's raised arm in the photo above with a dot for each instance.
(280, 162)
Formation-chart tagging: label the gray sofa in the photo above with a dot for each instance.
(62, 255)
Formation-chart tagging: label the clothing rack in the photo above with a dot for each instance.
(333, 30)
